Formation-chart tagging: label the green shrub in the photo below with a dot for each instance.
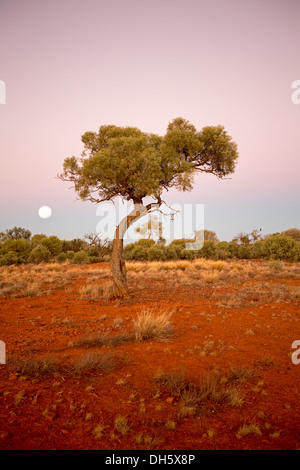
(171, 253)
(209, 250)
(62, 257)
(257, 249)
(8, 258)
(53, 244)
(39, 254)
(145, 243)
(295, 253)
(280, 247)
(156, 253)
(223, 251)
(21, 247)
(233, 247)
(72, 245)
(244, 252)
(37, 239)
(70, 255)
(139, 253)
(94, 259)
(81, 257)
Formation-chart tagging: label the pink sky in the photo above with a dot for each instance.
(71, 66)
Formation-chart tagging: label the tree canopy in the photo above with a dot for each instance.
(124, 161)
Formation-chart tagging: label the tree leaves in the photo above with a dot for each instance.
(124, 161)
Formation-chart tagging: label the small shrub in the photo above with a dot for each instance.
(81, 257)
(9, 258)
(62, 257)
(39, 254)
(150, 325)
(53, 243)
(280, 247)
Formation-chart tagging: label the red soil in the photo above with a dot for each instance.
(61, 412)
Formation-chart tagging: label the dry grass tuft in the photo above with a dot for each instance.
(247, 430)
(121, 425)
(50, 367)
(90, 292)
(173, 380)
(104, 340)
(151, 325)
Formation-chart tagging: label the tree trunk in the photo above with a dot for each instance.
(117, 264)
(118, 269)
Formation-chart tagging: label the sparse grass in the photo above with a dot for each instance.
(121, 425)
(50, 367)
(240, 374)
(173, 380)
(90, 292)
(246, 430)
(33, 281)
(264, 362)
(98, 431)
(276, 266)
(152, 325)
(39, 367)
(212, 393)
(109, 341)
(147, 441)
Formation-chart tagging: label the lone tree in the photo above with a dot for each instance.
(124, 161)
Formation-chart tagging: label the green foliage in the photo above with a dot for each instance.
(156, 253)
(21, 247)
(15, 233)
(223, 251)
(209, 250)
(62, 257)
(37, 239)
(280, 247)
(8, 258)
(81, 257)
(258, 249)
(72, 245)
(293, 233)
(244, 252)
(124, 161)
(53, 243)
(39, 254)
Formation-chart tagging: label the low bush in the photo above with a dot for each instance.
(39, 254)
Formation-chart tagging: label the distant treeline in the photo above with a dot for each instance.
(17, 245)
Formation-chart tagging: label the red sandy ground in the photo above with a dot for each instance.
(62, 412)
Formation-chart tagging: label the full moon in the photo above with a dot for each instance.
(45, 212)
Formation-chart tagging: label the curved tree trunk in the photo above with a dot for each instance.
(118, 269)
(117, 264)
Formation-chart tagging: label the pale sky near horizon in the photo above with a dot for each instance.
(71, 66)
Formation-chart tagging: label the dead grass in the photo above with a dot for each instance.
(173, 380)
(104, 340)
(33, 281)
(212, 393)
(153, 325)
(90, 292)
(50, 367)
(246, 430)
(121, 425)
